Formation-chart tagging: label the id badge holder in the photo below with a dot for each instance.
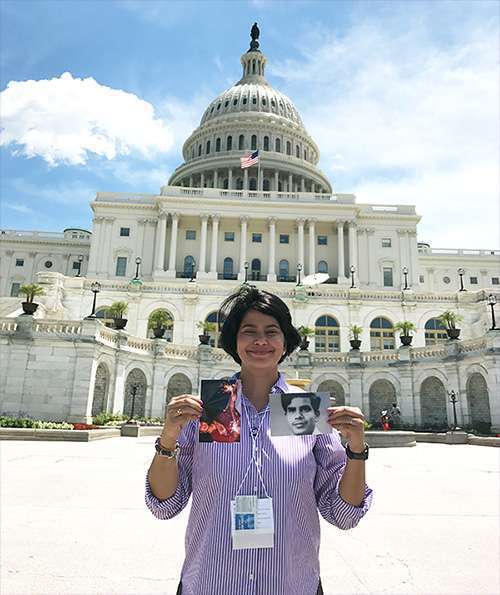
(252, 522)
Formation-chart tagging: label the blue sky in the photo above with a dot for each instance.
(401, 97)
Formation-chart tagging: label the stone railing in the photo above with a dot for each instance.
(380, 356)
(438, 350)
(327, 358)
(107, 336)
(472, 345)
(140, 344)
(57, 327)
(180, 352)
(8, 325)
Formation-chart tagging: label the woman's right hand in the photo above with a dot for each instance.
(180, 411)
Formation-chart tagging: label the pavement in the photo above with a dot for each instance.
(73, 521)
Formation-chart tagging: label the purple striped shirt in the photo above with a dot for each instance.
(301, 474)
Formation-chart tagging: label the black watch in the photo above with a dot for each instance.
(360, 456)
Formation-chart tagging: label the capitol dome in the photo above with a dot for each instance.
(251, 115)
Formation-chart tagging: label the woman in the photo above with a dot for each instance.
(297, 475)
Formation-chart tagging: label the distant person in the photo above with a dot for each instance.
(395, 416)
(302, 412)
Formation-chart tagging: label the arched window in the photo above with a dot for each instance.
(241, 142)
(239, 184)
(136, 386)
(252, 184)
(322, 266)
(381, 334)
(288, 147)
(284, 270)
(266, 185)
(326, 334)
(253, 66)
(254, 100)
(435, 332)
(297, 151)
(189, 267)
(305, 154)
(167, 323)
(255, 271)
(192, 153)
(214, 334)
(228, 268)
(101, 385)
(266, 143)
(208, 147)
(199, 150)
(254, 142)
(277, 145)
(217, 145)
(225, 185)
(229, 143)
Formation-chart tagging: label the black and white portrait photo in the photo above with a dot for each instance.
(299, 414)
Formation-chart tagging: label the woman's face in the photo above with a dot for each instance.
(260, 341)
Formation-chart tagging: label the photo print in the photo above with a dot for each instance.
(220, 421)
(299, 414)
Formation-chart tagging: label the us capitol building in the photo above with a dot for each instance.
(214, 226)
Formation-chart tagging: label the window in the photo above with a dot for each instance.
(266, 185)
(284, 270)
(76, 264)
(254, 142)
(121, 266)
(229, 236)
(225, 185)
(252, 184)
(229, 143)
(228, 268)
(277, 145)
(297, 151)
(19, 262)
(235, 101)
(239, 184)
(208, 147)
(388, 282)
(322, 266)
(288, 147)
(244, 100)
(305, 154)
(386, 242)
(254, 100)
(381, 335)
(124, 232)
(322, 240)
(257, 238)
(473, 280)
(495, 281)
(326, 335)
(48, 264)
(255, 270)
(284, 238)
(189, 267)
(435, 332)
(241, 142)
(217, 145)
(190, 234)
(266, 143)
(14, 289)
(421, 279)
(199, 150)
(446, 280)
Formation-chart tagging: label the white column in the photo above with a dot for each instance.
(215, 240)
(271, 268)
(216, 178)
(353, 245)
(302, 185)
(312, 247)
(243, 245)
(300, 243)
(95, 251)
(370, 254)
(260, 177)
(230, 179)
(173, 246)
(403, 256)
(412, 258)
(202, 180)
(290, 180)
(340, 246)
(106, 254)
(276, 180)
(161, 230)
(245, 179)
(191, 182)
(141, 224)
(203, 246)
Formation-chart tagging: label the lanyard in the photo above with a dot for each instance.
(256, 454)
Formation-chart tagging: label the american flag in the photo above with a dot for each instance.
(249, 160)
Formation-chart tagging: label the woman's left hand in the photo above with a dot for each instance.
(350, 422)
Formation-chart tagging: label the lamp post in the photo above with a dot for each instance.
(492, 300)
(299, 268)
(138, 261)
(134, 392)
(405, 273)
(461, 274)
(353, 270)
(245, 266)
(453, 400)
(95, 288)
(80, 260)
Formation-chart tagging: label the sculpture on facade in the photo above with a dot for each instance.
(254, 34)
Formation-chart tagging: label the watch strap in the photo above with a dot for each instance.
(359, 456)
(165, 452)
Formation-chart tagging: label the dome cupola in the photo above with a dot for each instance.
(251, 116)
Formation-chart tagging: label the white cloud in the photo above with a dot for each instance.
(19, 208)
(65, 119)
(415, 118)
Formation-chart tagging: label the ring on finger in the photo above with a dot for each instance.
(179, 412)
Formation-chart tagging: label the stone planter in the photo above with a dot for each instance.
(453, 333)
(355, 344)
(29, 307)
(405, 340)
(204, 339)
(120, 323)
(158, 332)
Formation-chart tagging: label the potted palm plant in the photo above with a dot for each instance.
(159, 322)
(405, 327)
(449, 320)
(30, 290)
(305, 332)
(206, 327)
(356, 333)
(117, 311)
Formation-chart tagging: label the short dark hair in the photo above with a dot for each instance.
(248, 297)
(287, 398)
